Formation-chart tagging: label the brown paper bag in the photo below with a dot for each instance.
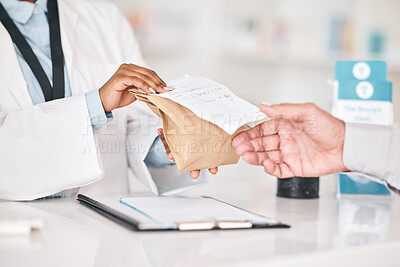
(195, 143)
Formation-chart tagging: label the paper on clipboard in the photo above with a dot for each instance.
(148, 213)
(173, 210)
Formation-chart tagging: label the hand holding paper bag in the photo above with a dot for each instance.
(193, 173)
(200, 118)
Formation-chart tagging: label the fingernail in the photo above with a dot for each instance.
(169, 88)
(152, 90)
(194, 180)
(265, 103)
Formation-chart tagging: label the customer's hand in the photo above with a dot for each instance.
(114, 93)
(193, 174)
(300, 140)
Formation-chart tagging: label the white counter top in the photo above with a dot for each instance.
(325, 232)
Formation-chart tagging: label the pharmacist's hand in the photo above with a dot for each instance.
(300, 140)
(114, 93)
(195, 173)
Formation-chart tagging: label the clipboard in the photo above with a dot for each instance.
(129, 213)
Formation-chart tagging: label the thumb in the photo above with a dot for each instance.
(286, 110)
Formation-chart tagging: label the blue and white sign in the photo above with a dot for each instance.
(361, 71)
(362, 94)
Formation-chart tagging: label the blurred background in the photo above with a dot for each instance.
(265, 50)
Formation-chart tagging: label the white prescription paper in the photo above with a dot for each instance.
(172, 210)
(213, 102)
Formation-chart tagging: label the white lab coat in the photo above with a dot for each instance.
(50, 147)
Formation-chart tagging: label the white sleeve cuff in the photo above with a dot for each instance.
(373, 150)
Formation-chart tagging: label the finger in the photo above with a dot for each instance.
(127, 99)
(155, 75)
(261, 144)
(293, 112)
(170, 156)
(195, 174)
(258, 158)
(154, 83)
(275, 156)
(161, 80)
(160, 83)
(164, 84)
(255, 158)
(139, 71)
(133, 81)
(160, 133)
(280, 170)
(263, 129)
(213, 171)
(271, 167)
(285, 170)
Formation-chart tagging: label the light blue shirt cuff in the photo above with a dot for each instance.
(157, 157)
(98, 117)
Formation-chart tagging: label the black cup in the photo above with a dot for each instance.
(298, 187)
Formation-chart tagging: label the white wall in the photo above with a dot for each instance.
(265, 50)
(209, 38)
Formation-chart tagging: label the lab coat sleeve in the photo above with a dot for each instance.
(47, 148)
(374, 151)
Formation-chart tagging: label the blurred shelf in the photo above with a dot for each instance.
(277, 61)
(275, 33)
(293, 62)
(393, 69)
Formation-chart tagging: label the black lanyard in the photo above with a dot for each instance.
(57, 57)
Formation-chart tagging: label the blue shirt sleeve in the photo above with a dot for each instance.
(157, 157)
(98, 117)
